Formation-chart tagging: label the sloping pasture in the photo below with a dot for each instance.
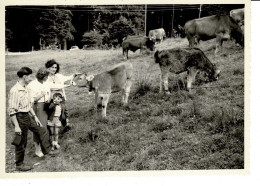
(203, 129)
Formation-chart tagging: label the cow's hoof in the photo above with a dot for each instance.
(92, 136)
(126, 107)
(190, 91)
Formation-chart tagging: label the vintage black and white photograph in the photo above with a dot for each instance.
(125, 87)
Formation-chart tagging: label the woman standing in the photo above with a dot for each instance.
(39, 93)
(57, 83)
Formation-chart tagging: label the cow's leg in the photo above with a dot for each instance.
(104, 99)
(192, 42)
(96, 100)
(141, 50)
(164, 79)
(196, 40)
(125, 54)
(218, 42)
(96, 103)
(160, 40)
(123, 96)
(226, 36)
(192, 71)
(127, 91)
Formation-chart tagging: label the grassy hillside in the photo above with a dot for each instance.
(203, 129)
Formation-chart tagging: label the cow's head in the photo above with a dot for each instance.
(214, 74)
(150, 43)
(164, 34)
(237, 33)
(79, 80)
(239, 37)
(83, 80)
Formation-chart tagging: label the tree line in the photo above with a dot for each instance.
(40, 27)
(94, 26)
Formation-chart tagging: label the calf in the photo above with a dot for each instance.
(103, 84)
(179, 60)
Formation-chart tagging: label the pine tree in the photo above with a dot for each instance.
(108, 20)
(120, 29)
(55, 27)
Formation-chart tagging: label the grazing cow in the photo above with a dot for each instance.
(103, 84)
(221, 27)
(134, 43)
(179, 60)
(157, 34)
(238, 16)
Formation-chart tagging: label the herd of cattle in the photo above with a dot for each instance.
(176, 60)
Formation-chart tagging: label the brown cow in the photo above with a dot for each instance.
(221, 27)
(179, 60)
(134, 43)
(103, 84)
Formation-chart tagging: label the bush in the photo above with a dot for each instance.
(92, 39)
(120, 29)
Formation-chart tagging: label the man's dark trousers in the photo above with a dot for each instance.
(26, 123)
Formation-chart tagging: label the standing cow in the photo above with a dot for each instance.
(103, 84)
(221, 27)
(179, 60)
(134, 43)
(157, 34)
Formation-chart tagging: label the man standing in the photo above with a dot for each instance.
(19, 109)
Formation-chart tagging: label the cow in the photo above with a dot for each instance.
(105, 83)
(221, 27)
(238, 16)
(132, 36)
(134, 43)
(178, 60)
(157, 34)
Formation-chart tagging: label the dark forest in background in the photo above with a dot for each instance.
(39, 27)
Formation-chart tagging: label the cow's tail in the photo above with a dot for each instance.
(156, 56)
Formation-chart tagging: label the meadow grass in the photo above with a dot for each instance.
(203, 129)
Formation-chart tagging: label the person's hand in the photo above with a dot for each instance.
(43, 92)
(37, 121)
(18, 130)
